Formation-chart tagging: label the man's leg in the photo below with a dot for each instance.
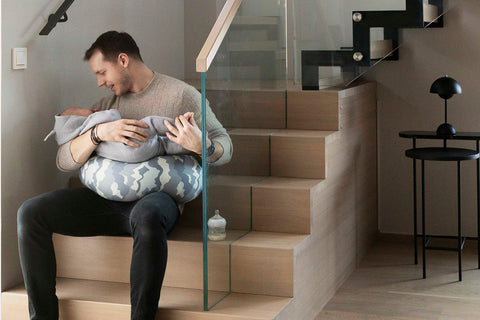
(76, 212)
(151, 219)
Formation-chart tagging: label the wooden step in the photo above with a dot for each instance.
(263, 152)
(108, 259)
(237, 34)
(313, 110)
(232, 195)
(299, 153)
(254, 21)
(263, 263)
(284, 204)
(99, 300)
(241, 46)
(249, 108)
(251, 155)
(325, 109)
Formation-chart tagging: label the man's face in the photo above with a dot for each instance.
(113, 75)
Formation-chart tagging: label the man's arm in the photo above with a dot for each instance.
(192, 102)
(187, 134)
(81, 148)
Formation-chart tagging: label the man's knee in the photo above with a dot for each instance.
(153, 216)
(29, 214)
(147, 219)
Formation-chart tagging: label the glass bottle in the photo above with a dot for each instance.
(216, 227)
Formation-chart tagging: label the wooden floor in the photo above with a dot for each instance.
(389, 286)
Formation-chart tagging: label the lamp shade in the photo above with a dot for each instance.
(445, 87)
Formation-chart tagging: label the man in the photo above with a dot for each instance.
(138, 92)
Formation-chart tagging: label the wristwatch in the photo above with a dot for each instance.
(210, 149)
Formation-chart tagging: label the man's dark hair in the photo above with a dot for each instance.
(111, 44)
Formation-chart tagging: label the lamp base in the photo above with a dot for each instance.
(446, 130)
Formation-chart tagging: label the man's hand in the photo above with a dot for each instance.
(121, 130)
(186, 133)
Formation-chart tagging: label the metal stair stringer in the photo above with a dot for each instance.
(351, 59)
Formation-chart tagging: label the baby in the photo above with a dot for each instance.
(75, 121)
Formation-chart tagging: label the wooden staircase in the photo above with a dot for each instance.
(304, 168)
(252, 49)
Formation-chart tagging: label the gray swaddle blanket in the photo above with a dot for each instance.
(157, 144)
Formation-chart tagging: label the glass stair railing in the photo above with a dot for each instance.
(251, 57)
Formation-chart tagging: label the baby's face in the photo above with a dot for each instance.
(77, 111)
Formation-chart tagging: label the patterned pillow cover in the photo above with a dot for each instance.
(180, 176)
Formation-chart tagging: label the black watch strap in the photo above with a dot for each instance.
(211, 149)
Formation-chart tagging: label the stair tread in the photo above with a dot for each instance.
(266, 45)
(252, 131)
(288, 183)
(174, 299)
(303, 133)
(254, 20)
(272, 240)
(234, 181)
(281, 132)
(178, 235)
(251, 85)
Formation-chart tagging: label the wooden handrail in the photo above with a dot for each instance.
(215, 38)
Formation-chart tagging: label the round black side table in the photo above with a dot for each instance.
(442, 154)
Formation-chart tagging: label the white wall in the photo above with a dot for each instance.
(56, 78)
(200, 16)
(406, 104)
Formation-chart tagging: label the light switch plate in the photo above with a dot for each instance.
(19, 58)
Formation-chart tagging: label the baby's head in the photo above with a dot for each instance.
(77, 111)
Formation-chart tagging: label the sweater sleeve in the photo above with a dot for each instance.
(192, 101)
(65, 161)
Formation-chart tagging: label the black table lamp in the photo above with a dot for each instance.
(445, 87)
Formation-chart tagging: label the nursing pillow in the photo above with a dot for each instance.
(180, 176)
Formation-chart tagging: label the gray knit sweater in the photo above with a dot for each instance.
(164, 96)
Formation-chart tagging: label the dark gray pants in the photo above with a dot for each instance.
(81, 212)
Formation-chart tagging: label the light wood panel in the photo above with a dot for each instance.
(251, 153)
(344, 213)
(262, 263)
(388, 285)
(255, 21)
(84, 299)
(249, 108)
(232, 195)
(298, 154)
(108, 259)
(283, 204)
(229, 194)
(246, 46)
(312, 110)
